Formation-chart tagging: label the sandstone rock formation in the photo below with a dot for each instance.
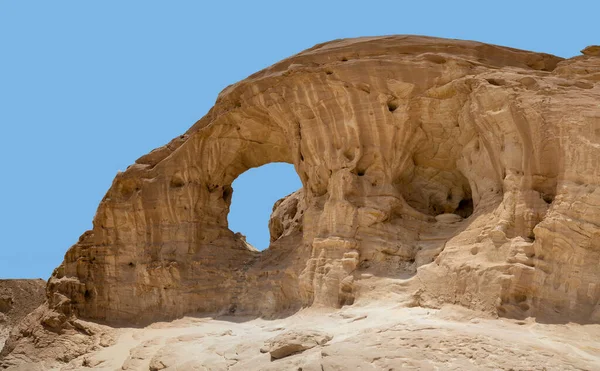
(466, 173)
(17, 299)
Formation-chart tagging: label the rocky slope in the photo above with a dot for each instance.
(466, 173)
(17, 299)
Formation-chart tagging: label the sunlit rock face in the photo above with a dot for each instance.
(466, 173)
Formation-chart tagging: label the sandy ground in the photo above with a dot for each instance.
(373, 337)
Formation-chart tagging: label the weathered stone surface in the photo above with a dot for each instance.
(17, 299)
(47, 337)
(293, 342)
(592, 50)
(385, 133)
(390, 136)
(287, 215)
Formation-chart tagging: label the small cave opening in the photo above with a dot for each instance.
(547, 197)
(465, 207)
(435, 192)
(462, 207)
(253, 195)
(392, 105)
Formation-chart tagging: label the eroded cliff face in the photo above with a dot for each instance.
(468, 172)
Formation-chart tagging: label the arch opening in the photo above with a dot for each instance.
(254, 194)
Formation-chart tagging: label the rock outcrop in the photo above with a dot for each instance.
(467, 172)
(17, 299)
(293, 342)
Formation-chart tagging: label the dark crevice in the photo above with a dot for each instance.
(177, 182)
(227, 192)
(496, 82)
(548, 198)
(465, 208)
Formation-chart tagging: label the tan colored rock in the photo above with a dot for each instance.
(287, 216)
(46, 337)
(392, 137)
(293, 342)
(18, 297)
(592, 50)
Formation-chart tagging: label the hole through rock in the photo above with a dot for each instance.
(254, 193)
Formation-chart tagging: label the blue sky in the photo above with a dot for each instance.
(86, 87)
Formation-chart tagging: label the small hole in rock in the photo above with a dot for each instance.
(227, 191)
(496, 82)
(465, 208)
(177, 182)
(548, 198)
(392, 105)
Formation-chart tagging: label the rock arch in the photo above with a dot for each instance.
(388, 136)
